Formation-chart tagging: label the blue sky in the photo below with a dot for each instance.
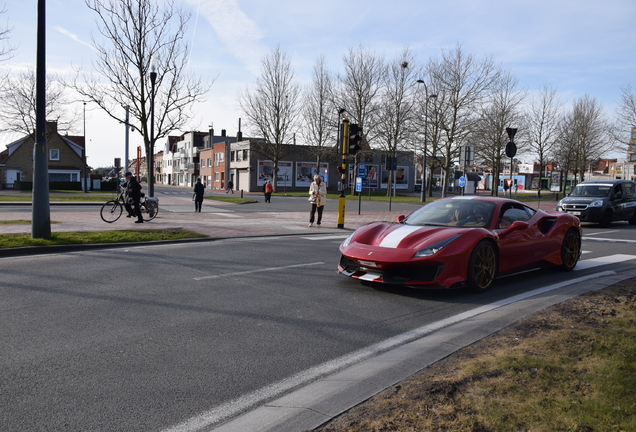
(579, 47)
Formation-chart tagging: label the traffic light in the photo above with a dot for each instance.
(355, 140)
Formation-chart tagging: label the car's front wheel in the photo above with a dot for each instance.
(570, 250)
(482, 266)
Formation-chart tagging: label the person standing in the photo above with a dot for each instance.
(134, 192)
(267, 190)
(317, 198)
(230, 187)
(198, 195)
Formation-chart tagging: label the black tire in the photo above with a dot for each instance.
(632, 221)
(570, 250)
(111, 211)
(482, 267)
(606, 220)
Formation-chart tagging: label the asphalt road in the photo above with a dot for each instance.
(147, 337)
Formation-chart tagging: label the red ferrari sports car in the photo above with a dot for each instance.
(461, 241)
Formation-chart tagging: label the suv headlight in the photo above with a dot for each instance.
(596, 203)
(560, 206)
(434, 248)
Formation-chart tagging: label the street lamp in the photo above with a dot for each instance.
(151, 168)
(85, 170)
(424, 165)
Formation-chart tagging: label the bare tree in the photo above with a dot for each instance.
(396, 109)
(17, 111)
(319, 123)
(542, 124)
(585, 134)
(463, 82)
(137, 36)
(271, 106)
(498, 112)
(6, 49)
(626, 115)
(359, 88)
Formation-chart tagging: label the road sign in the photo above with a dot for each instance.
(362, 170)
(511, 133)
(511, 149)
(462, 181)
(358, 184)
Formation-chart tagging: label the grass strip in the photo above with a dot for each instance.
(20, 222)
(88, 237)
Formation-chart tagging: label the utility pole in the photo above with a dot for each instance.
(40, 208)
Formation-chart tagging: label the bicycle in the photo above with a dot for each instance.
(111, 210)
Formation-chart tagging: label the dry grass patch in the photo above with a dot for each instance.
(569, 368)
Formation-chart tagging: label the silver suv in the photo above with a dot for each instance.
(602, 201)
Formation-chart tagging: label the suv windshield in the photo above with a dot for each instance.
(591, 191)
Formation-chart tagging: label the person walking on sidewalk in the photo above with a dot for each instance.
(198, 195)
(267, 190)
(230, 187)
(134, 192)
(317, 198)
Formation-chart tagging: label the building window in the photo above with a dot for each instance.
(217, 176)
(244, 155)
(232, 156)
(54, 155)
(210, 162)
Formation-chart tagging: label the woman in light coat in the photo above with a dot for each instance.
(317, 198)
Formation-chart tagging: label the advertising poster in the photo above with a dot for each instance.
(305, 172)
(402, 178)
(371, 179)
(266, 172)
(555, 183)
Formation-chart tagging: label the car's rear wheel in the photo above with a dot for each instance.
(482, 266)
(632, 221)
(570, 250)
(606, 220)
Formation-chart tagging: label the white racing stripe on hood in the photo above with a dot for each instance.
(396, 236)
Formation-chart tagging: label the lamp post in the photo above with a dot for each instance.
(151, 170)
(424, 165)
(86, 183)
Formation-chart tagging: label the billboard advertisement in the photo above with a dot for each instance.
(266, 172)
(305, 172)
(401, 177)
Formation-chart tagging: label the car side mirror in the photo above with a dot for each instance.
(400, 219)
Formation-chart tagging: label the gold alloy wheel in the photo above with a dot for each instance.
(570, 250)
(484, 266)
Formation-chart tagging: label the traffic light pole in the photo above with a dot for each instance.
(343, 172)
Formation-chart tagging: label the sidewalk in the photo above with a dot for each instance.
(217, 220)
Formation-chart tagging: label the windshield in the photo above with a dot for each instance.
(591, 191)
(454, 212)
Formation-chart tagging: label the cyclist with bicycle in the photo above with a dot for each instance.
(133, 189)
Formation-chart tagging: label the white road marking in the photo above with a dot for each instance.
(609, 240)
(256, 397)
(267, 269)
(601, 232)
(327, 237)
(227, 215)
(610, 259)
(585, 252)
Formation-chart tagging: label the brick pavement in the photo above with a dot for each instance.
(209, 222)
(215, 224)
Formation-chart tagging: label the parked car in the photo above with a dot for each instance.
(602, 201)
(461, 241)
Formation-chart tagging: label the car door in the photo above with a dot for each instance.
(618, 202)
(629, 198)
(517, 248)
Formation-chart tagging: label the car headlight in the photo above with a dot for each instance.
(597, 203)
(347, 240)
(560, 205)
(434, 248)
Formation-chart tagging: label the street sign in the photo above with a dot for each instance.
(511, 133)
(362, 170)
(462, 181)
(511, 149)
(358, 184)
